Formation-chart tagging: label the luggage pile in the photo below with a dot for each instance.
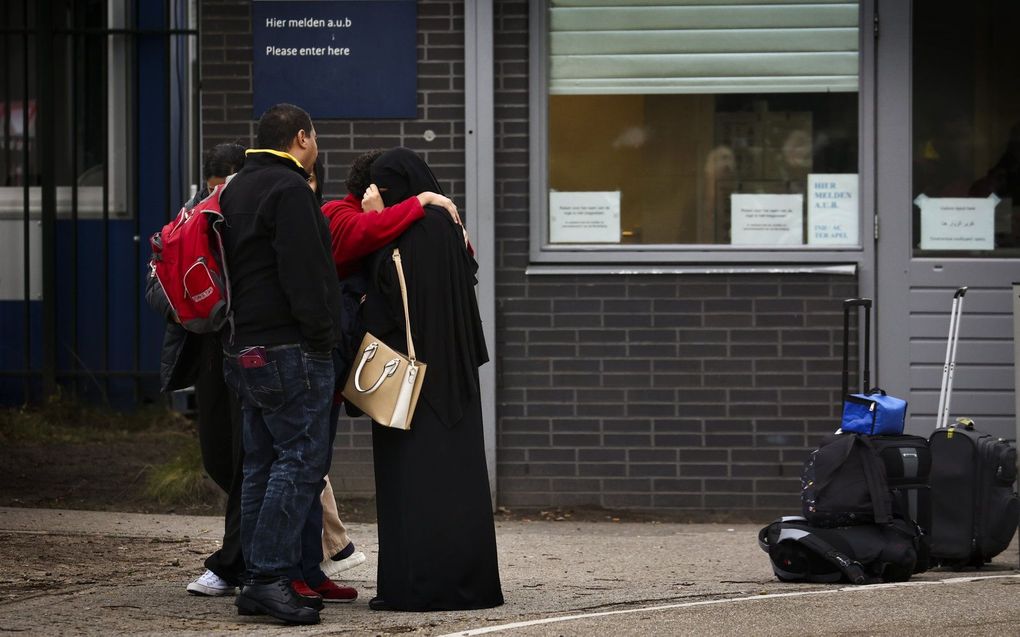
(879, 505)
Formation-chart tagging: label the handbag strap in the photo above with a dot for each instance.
(403, 297)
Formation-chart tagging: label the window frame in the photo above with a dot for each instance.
(543, 252)
(120, 138)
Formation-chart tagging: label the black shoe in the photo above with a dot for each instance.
(309, 602)
(275, 598)
(378, 603)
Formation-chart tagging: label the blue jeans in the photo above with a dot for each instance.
(311, 535)
(286, 405)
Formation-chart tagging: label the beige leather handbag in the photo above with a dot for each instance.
(385, 383)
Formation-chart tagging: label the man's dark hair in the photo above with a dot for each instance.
(360, 175)
(280, 124)
(222, 160)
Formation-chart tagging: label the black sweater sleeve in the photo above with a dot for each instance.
(305, 265)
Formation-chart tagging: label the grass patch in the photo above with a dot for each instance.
(98, 457)
(181, 480)
(62, 419)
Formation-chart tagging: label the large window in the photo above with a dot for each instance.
(698, 126)
(966, 121)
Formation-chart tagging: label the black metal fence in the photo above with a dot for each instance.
(100, 120)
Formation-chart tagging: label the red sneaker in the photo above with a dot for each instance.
(306, 595)
(331, 592)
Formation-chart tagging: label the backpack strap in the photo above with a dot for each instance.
(876, 484)
(219, 222)
(852, 569)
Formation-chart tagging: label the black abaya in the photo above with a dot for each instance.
(437, 543)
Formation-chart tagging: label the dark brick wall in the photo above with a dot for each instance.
(665, 391)
(698, 393)
(227, 116)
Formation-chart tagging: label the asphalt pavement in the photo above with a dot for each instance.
(559, 578)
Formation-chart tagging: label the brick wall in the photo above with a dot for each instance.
(227, 116)
(665, 391)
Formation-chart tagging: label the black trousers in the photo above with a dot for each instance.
(219, 436)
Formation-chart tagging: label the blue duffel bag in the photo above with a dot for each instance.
(874, 413)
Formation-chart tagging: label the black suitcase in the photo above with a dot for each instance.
(975, 510)
(907, 458)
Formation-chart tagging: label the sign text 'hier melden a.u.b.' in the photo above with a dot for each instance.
(336, 58)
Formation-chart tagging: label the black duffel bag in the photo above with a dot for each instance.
(861, 554)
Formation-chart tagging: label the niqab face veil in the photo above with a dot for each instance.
(400, 173)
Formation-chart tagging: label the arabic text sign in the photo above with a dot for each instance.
(957, 223)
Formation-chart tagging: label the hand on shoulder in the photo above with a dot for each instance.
(429, 198)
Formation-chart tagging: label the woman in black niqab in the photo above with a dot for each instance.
(437, 543)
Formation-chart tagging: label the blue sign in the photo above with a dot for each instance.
(336, 58)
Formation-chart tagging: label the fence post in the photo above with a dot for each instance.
(45, 125)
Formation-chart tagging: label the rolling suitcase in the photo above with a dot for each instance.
(906, 458)
(975, 510)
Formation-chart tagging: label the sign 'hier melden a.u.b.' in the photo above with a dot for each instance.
(336, 58)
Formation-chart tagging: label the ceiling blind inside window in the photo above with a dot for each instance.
(702, 46)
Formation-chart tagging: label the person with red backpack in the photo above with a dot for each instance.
(190, 358)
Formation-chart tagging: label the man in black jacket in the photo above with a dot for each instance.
(278, 354)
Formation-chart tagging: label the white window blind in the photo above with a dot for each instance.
(702, 46)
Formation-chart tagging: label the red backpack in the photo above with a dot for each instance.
(188, 267)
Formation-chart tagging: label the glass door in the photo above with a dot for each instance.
(948, 202)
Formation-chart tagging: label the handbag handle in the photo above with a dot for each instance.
(403, 298)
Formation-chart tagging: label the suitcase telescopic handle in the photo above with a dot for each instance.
(848, 305)
(949, 367)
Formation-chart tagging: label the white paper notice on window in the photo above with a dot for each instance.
(584, 217)
(957, 223)
(767, 220)
(832, 210)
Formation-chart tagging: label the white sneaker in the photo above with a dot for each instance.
(210, 584)
(331, 567)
